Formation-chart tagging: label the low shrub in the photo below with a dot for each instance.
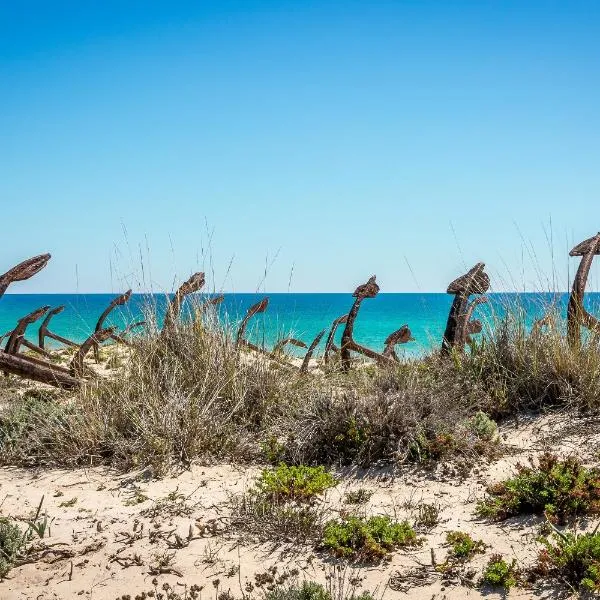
(267, 520)
(367, 539)
(499, 573)
(572, 557)
(298, 483)
(427, 515)
(559, 488)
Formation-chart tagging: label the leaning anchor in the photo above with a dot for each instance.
(577, 316)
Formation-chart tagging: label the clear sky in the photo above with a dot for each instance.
(317, 142)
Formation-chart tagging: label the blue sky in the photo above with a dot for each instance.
(298, 145)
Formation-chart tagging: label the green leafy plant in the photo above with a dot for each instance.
(298, 483)
(558, 488)
(11, 542)
(482, 426)
(572, 557)
(367, 539)
(499, 573)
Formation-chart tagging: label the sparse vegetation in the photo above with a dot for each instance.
(463, 546)
(427, 515)
(310, 590)
(369, 539)
(558, 488)
(359, 496)
(267, 520)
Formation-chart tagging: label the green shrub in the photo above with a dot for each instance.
(367, 539)
(499, 573)
(463, 546)
(482, 426)
(574, 558)
(11, 541)
(299, 483)
(558, 488)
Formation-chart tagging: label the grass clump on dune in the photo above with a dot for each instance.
(463, 546)
(310, 590)
(281, 505)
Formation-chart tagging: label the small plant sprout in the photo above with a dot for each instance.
(427, 515)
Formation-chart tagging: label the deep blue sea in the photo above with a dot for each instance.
(300, 315)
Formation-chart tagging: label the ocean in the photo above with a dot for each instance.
(300, 315)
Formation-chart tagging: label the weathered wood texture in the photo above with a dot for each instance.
(29, 368)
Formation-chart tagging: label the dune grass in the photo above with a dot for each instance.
(192, 395)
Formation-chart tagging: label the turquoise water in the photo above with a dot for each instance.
(301, 315)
